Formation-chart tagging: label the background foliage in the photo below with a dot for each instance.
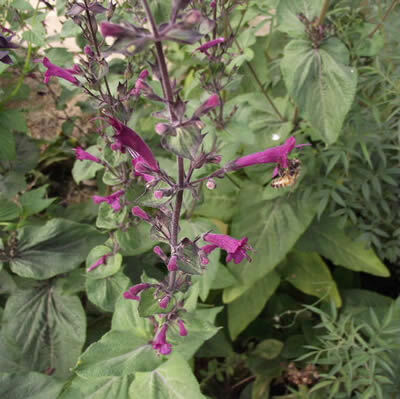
(314, 315)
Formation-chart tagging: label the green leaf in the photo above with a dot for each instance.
(268, 349)
(219, 203)
(309, 273)
(112, 266)
(60, 56)
(7, 148)
(328, 239)
(288, 11)
(105, 292)
(99, 388)
(242, 311)
(85, 170)
(149, 305)
(49, 328)
(57, 247)
(107, 218)
(12, 183)
(316, 78)
(200, 328)
(118, 353)
(10, 356)
(8, 210)
(11, 120)
(186, 142)
(136, 240)
(29, 385)
(272, 226)
(167, 381)
(34, 201)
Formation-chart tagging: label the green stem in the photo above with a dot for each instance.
(387, 13)
(324, 10)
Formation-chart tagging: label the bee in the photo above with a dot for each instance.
(287, 177)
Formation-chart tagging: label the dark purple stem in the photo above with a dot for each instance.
(166, 83)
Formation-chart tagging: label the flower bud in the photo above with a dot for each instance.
(211, 185)
(158, 194)
(158, 251)
(140, 213)
(162, 128)
(173, 263)
(182, 329)
(192, 17)
(164, 302)
(88, 51)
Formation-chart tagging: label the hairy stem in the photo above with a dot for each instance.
(96, 45)
(168, 93)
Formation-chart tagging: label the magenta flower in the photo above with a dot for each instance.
(142, 169)
(278, 154)
(114, 30)
(158, 251)
(88, 51)
(182, 329)
(64, 73)
(164, 302)
(237, 249)
(212, 102)
(83, 155)
(173, 263)
(113, 199)
(133, 142)
(160, 343)
(101, 261)
(140, 213)
(212, 43)
(133, 292)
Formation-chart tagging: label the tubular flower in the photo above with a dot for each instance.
(212, 102)
(278, 155)
(173, 263)
(182, 329)
(101, 261)
(113, 199)
(212, 43)
(236, 249)
(160, 343)
(133, 292)
(142, 169)
(133, 143)
(164, 302)
(83, 155)
(140, 213)
(64, 73)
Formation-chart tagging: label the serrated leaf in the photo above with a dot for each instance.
(34, 201)
(186, 142)
(29, 385)
(329, 240)
(7, 148)
(118, 353)
(309, 273)
(8, 210)
(136, 240)
(105, 292)
(99, 388)
(242, 311)
(49, 328)
(85, 170)
(288, 11)
(272, 226)
(111, 267)
(166, 381)
(316, 78)
(57, 247)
